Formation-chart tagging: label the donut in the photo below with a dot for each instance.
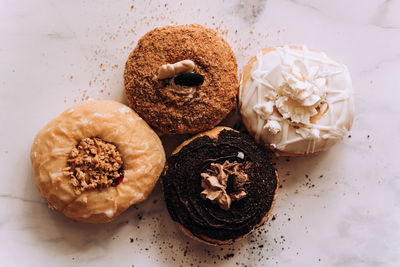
(219, 186)
(95, 160)
(181, 79)
(296, 100)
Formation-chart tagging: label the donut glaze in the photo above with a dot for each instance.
(296, 100)
(141, 150)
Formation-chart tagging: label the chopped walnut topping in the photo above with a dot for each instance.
(215, 183)
(94, 163)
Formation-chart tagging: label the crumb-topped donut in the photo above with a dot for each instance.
(95, 160)
(219, 186)
(181, 79)
(297, 101)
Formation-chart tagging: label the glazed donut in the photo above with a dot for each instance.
(296, 100)
(95, 160)
(219, 186)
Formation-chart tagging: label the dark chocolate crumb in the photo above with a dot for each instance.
(131, 239)
(229, 255)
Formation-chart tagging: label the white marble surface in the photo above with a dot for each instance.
(339, 208)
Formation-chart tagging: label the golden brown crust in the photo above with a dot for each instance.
(170, 113)
(141, 149)
(204, 239)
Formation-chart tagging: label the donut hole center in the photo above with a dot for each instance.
(94, 163)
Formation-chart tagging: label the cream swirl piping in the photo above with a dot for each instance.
(215, 182)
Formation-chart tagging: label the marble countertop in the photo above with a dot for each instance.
(338, 208)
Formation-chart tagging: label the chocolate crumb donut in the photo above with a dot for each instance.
(181, 79)
(219, 186)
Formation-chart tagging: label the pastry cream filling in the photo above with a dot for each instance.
(215, 184)
(93, 163)
(185, 91)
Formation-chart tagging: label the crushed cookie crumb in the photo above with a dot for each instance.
(93, 163)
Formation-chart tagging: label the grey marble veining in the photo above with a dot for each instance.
(338, 208)
(250, 10)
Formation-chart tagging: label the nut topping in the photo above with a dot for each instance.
(94, 163)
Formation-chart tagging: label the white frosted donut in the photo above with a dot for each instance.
(140, 148)
(295, 100)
